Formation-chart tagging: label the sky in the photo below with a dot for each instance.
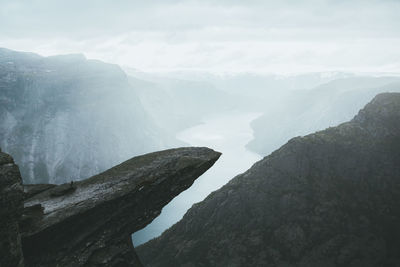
(285, 36)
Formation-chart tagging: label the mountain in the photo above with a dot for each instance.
(66, 118)
(204, 93)
(260, 85)
(326, 199)
(302, 112)
(176, 104)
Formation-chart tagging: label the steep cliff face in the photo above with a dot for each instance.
(67, 118)
(90, 222)
(326, 199)
(11, 205)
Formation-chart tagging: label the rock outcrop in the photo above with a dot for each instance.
(90, 222)
(11, 205)
(326, 199)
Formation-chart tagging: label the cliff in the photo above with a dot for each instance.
(11, 205)
(68, 117)
(90, 222)
(325, 199)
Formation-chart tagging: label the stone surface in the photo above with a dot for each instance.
(11, 205)
(90, 222)
(326, 199)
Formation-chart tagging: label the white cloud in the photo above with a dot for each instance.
(254, 36)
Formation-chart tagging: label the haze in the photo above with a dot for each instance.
(241, 77)
(211, 36)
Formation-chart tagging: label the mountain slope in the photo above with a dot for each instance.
(178, 104)
(66, 118)
(326, 199)
(303, 112)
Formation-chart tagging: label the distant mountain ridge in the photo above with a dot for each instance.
(179, 104)
(326, 199)
(305, 111)
(66, 118)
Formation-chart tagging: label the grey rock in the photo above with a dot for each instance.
(33, 189)
(11, 205)
(326, 199)
(90, 222)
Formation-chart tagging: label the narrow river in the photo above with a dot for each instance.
(227, 133)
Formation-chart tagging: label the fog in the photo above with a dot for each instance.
(213, 36)
(240, 77)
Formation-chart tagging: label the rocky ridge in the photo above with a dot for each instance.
(89, 222)
(325, 199)
(315, 109)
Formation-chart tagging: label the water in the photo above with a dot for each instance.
(227, 133)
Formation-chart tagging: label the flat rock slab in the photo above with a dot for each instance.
(90, 222)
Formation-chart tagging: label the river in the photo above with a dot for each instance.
(227, 133)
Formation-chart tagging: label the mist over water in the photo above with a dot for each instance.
(227, 133)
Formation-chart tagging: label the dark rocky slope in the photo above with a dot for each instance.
(67, 117)
(11, 205)
(326, 199)
(90, 222)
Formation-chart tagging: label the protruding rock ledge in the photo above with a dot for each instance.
(89, 223)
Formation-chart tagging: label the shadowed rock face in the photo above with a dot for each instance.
(11, 206)
(326, 199)
(90, 222)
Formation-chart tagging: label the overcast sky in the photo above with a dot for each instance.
(213, 36)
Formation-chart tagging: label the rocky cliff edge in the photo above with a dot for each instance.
(90, 222)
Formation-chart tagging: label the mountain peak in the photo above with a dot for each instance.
(382, 115)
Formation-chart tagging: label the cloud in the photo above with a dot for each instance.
(210, 35)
